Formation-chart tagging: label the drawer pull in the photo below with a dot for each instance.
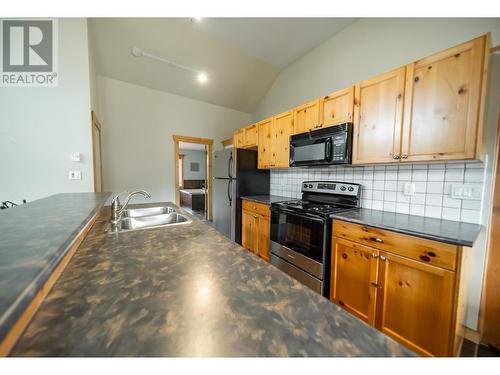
(425, 258)
(382, 257)
(431, 254)
(376, 239)
(344, 256)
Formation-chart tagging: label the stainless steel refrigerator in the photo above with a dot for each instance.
(235, 175)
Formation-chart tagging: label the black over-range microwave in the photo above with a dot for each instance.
(331, 145)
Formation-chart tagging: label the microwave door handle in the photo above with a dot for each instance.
(328, 149)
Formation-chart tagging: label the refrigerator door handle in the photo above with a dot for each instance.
(230, 166)
(229, 197)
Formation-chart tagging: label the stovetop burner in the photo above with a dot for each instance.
(313, 207)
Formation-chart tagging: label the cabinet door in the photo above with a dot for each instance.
(251, 136)
(354, 278)
(281, 131)
(443, 94)
(239, 138)
(306, 117)
(264, 228)
(415, 304)
(249, 231)
(378, 116)
(337, 108)
(264, 144)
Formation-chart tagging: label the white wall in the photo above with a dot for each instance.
(138, 124)
(194, 156)
(372, 46)
(41, 126)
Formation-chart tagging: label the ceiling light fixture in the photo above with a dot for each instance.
(201, 76)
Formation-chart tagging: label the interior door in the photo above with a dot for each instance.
(355, 278)
(442, 104)
(378, 117)
(97, 153)
(415, 304)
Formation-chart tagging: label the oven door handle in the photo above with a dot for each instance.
(293, 213)
(328, 149)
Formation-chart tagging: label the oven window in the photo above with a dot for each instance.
(298, 233)
(307, 152)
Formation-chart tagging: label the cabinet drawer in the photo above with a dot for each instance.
(426, 251)
(258, 208)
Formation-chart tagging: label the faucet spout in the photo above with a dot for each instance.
(117, 209)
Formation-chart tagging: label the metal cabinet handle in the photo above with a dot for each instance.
(376, 239)
(395, 157)
(375, 285)
(382, 257)
(255, 216)
(404, 156)
(374, 255)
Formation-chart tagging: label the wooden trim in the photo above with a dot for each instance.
(227, 142)
(472, 335)
(485, 83)
(95, 122)
(18, 328)
(181, 158)
(489, 319)
(495, 49)
(206, 141)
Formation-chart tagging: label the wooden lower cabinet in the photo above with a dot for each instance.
(410, 300)
(256, 228)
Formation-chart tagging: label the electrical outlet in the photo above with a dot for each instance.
(467, 191)
(409, 189)
(75, 175)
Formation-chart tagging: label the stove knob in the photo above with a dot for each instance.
(310, 186)
(342, 188)
(305, 185)
(350, 188)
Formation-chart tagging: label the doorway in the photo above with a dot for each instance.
(97, 152)
(193, 175)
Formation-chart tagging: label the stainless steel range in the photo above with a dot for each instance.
(301, 231)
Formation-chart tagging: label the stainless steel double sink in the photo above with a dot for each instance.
(149, 217)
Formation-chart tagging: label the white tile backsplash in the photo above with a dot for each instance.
(382, 187)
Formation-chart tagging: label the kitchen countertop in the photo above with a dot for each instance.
(186, 290)
(452, 232)
(267, 199)
(34, 238)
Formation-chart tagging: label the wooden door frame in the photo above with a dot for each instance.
(204, 141)
(489, 325)
(181, 158)
(95, 123)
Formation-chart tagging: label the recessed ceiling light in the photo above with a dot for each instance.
(202, 77)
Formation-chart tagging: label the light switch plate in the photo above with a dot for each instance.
(409, 189)
(467, 191)
(76, 157)
(75, 175)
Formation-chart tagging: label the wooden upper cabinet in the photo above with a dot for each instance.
(378, 116)
(238, 138)
(280, 140)
(415, 304)
(264, 144)
(251, 136)
(443, 95)
(354, 278)
(306, 117)
(337, 108)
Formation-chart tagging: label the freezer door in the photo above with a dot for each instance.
(222, 207)
(223, 163)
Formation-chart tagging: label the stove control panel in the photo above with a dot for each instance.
(331, 187)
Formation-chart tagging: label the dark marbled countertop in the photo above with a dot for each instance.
(267, 199)
(186, 290)
(452, 232)
(34, 237)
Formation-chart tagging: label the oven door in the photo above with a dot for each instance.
(299, 232)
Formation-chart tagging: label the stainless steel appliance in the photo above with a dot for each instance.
(301, 231)
(332, 145)
(235, 175)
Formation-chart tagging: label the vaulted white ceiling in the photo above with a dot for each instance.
(242, 56)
